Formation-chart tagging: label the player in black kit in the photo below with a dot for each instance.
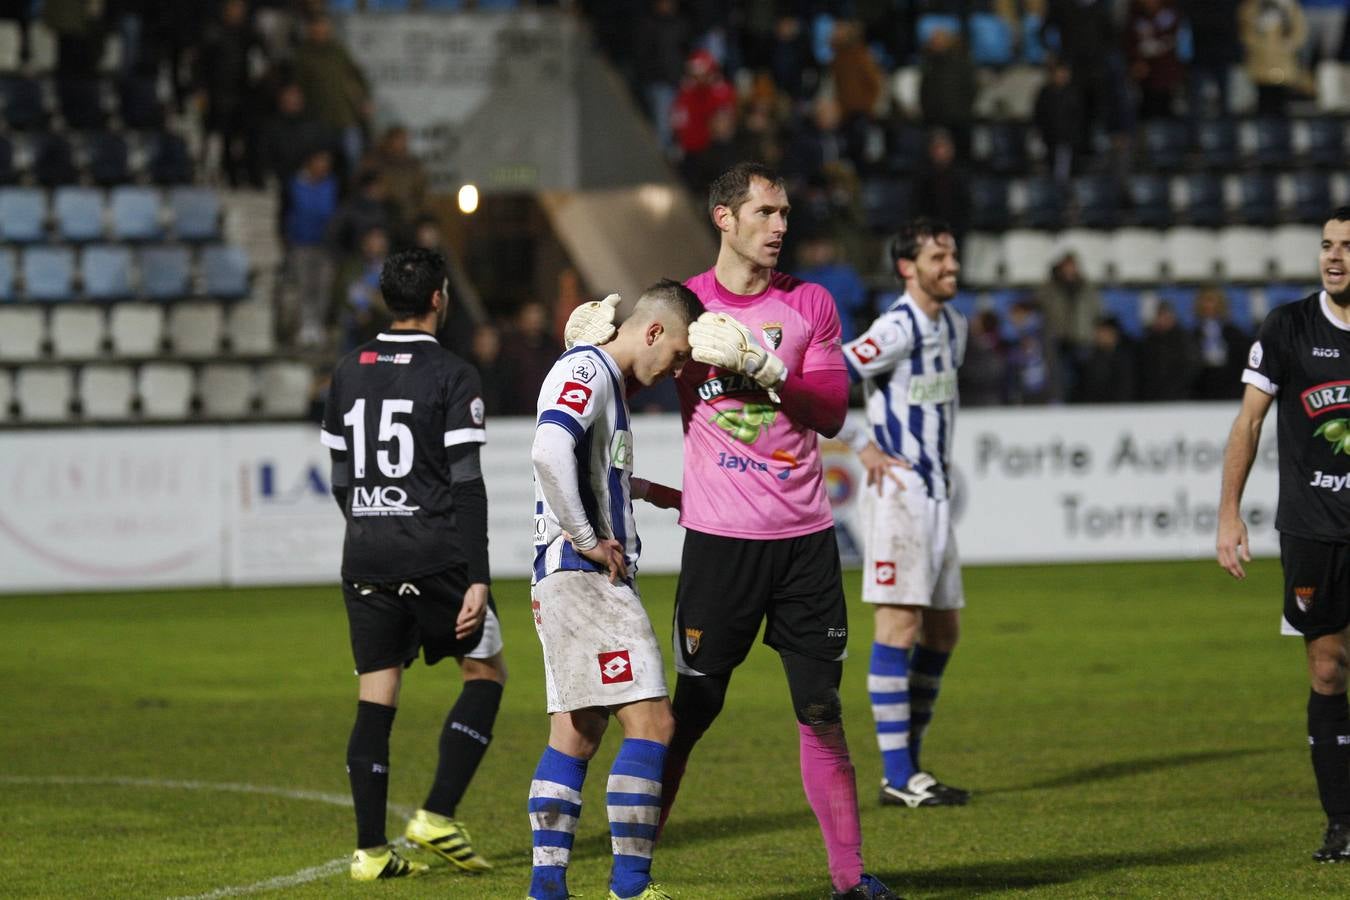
(404, 424)
(1302, 356)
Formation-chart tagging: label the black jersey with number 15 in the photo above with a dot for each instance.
(397, 405)
(1302, 357)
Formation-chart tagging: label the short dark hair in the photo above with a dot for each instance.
(676, 297)
(732, 187)
(1339, 214)
(907, 241)
(408, 280)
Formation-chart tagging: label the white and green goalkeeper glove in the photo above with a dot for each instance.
(592, 323)
(719, 340)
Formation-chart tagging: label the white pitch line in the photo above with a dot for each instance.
(313, 873)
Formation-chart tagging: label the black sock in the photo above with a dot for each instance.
(368, 770)
(464, 740)
(1329, 736)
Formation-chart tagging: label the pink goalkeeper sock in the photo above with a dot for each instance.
(827, 776)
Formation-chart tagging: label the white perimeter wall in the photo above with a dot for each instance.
(250, 505)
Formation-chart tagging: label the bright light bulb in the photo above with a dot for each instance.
(468, 199)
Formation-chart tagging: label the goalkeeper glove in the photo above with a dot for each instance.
(592, 323)
(719, 340)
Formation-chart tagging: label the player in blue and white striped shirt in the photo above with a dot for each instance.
(907, 361)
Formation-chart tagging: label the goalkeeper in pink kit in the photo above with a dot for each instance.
(768, 377)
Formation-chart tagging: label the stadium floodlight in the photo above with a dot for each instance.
(468, 199)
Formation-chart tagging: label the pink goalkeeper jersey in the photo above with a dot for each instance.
(749, 471)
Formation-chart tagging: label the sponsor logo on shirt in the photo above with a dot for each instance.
(1327, 352)
(884, 573)
(621, 450)
(773, 334)
(836, 633)
(1325, 397)
(370, 358)
(1255, 355)
(476, 410)
(937, 387)
(692, 636)
(574, 396)
(615, 667)
(727, 383)
(584, 371)
(1303, 596)
(1333, 483)
(380, 500)
(865, 351)
(737, 463)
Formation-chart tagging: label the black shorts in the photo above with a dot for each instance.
(390, 622)
(1316, 585)
(729, 585)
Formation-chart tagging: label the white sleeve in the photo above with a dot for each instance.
(855, 433)
(878, 349)
(574, 392)
(555, 469)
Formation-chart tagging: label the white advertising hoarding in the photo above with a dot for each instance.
(110, 509)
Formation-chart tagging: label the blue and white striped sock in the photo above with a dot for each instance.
(555, 804)
(925, 678)
(634, 800)
(888, 686)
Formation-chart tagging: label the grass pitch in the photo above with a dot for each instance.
(1128, 730)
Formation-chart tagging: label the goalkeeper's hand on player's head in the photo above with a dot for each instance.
(719, 340)
(592, 323)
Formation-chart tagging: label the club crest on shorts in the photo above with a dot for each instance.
(773, 334)
(692, 636)
(1303, 596)
(884, 573)
(615, 667)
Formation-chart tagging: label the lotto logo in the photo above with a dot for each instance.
(574, 396)
(865, 351)
(885, 573)
(615, 667)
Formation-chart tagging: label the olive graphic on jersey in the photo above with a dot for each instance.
(1337, 433)
(744, 424)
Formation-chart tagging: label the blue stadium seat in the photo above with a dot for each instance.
(886, 203)
(1274, 143)
(25, 107)
(54, 161)
(225, 271)
(443, 4)
(81, 103)
(1165, 143)
(1033, 50)
(1258, 202)
(170, 162)
(49, 273)
(166, 271)
(966, 303)
(136, 213)
(23, 214)
(905, 148)
(1204, 200)
(196, 213)
(1216, 141)
(1123, 303)
(991, 41)
(1150, 200)
(340, 6)
(498, 4)
(106, 269)
(8, 173)
(1239, 306)
(1312, 196)
(387, 5)
(7, 272)
(79, 213)
(1182, 300)
(989, 203)
(139, 103)
(1044, 204)
(931, 22)
(109, 159)
(1326, 142)
(1098, 199)
(1007, 148)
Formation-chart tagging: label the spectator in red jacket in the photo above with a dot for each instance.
(703, 93)
(1151, 47)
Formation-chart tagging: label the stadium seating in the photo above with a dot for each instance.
(165, 271)
(1258, 198)
(1244, 253)
(81, 103)
(1294, 251)
(44, 394)
(79, 213)
(25, 106)
(54, 161)
(1311, 195)
(1166, 142)
(7, 273)
(1026, 256)
(1098, 200)
(981, 259)
(1204, 204)
(1093, 249)
(196, 213)
(1150, 200)
(250, 328)
(6, 395)
(1191, 253)
(136, 329)
(886, 203)
(1007, 147)
(106, 272)
(170, 162)
(49, 272)
(194, 328)
(1137, 255)
(8, 173)
(11, 44)
(165, 389)
(139, 104)
(109, 158)
(1126, 307)
(135, 213)
(76, 331)
(989, 203)
(905, 148)
(225, 271)
(991, 40)
(107, 392)
(23, 332)
(1216, 141)
(226, 390)
(1043, 203)
(23, 214)
(1324, 142)
(284, 389)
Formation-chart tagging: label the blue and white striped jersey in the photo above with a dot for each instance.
(583, 394)
(907, 363)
